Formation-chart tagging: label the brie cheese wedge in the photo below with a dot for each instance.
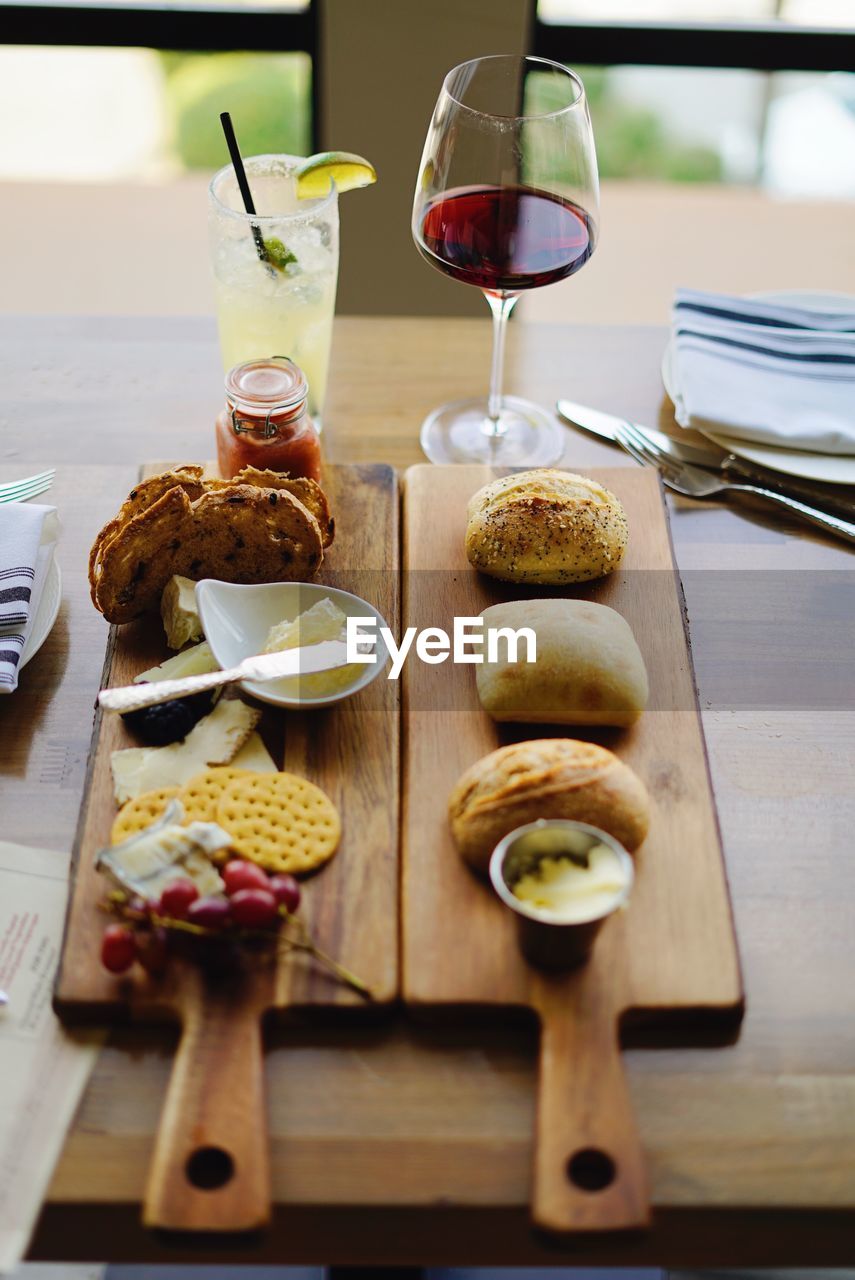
(147, 862)
(178, 610)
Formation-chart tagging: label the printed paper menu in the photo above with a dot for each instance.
(44, 1068)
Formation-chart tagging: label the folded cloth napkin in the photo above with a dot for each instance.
(760, 371)
(28, 534)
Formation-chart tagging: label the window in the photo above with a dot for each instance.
(789, 132)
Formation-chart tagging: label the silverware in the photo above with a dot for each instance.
(695, 482)
(603, 426)
(711, 456)
(31, 487)
(326, 656)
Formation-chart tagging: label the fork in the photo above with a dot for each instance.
(31, 487)
(694, 482)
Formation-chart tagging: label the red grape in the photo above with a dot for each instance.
(118, 948)
(153, 950)
(286, 891)
(177, 898)
(210, 913)
(254, 908)
(240, 874)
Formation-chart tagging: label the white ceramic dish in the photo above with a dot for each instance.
(237, 618)
(827, 467)
(46, 613)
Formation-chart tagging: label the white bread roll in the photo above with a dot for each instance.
(547, 778)
(589, 669)
(545, 526)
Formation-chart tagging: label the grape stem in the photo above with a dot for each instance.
(306, 944)
(302, 943)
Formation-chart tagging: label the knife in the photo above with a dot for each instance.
(710, 457)
(326, 656)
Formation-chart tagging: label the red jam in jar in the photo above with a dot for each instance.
(265, 423)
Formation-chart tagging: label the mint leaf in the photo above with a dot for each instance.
(278, 254)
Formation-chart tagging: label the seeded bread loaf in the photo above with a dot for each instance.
(307, 491)
(238, 534)
(260, 526)
(545, 526)
(140, 498)
(545, 778)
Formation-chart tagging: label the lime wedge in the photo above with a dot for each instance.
(316, 174)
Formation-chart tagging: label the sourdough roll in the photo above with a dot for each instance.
(546, 778)
(589, 669)
(545, 526)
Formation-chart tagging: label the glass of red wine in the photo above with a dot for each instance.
(507, 199)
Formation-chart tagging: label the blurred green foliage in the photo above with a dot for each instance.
(632, 142)
(269, 97)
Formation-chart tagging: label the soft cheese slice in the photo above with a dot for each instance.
(178, 610)
(563, 889)
(215, 740)
(254, 756)
(147, 862)
(323, 621)
(198, 661)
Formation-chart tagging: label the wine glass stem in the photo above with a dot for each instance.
(501, 305)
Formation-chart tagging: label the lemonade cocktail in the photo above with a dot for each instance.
(282, 306)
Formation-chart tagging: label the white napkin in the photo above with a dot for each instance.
(754, 370)
(28, 534)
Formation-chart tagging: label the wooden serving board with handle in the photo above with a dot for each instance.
(210, 1167)
(670, 960)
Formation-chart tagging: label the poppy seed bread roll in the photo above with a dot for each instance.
(546, 778)
(545, 526)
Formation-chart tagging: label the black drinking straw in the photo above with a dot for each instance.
(246, 194)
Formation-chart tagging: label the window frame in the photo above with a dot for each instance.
(756, 46)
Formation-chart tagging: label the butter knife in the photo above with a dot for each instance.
(326, 656)
(605, 426)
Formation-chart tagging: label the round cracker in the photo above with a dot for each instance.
(141, 812)
(201, 794)
(280, 821)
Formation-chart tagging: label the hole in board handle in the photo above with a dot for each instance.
(591, 1169)
(209, 1168)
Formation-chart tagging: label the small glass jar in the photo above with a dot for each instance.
(265, 422)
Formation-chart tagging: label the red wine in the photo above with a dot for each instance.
(505, 238)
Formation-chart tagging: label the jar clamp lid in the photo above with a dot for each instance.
(261, 390)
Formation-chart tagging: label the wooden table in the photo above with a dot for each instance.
(400, 1144)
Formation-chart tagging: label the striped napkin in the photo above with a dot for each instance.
(760, 371)
(28, 534)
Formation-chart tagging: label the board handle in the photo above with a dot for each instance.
(589, 1172)
(210, 1170)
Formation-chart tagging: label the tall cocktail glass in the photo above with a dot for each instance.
(278, 307)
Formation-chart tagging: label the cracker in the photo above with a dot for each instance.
(200, 795)
(140, 813)
(280, 821)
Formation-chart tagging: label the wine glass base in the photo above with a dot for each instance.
(530, 436)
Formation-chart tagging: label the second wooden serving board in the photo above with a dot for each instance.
(670, 960)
